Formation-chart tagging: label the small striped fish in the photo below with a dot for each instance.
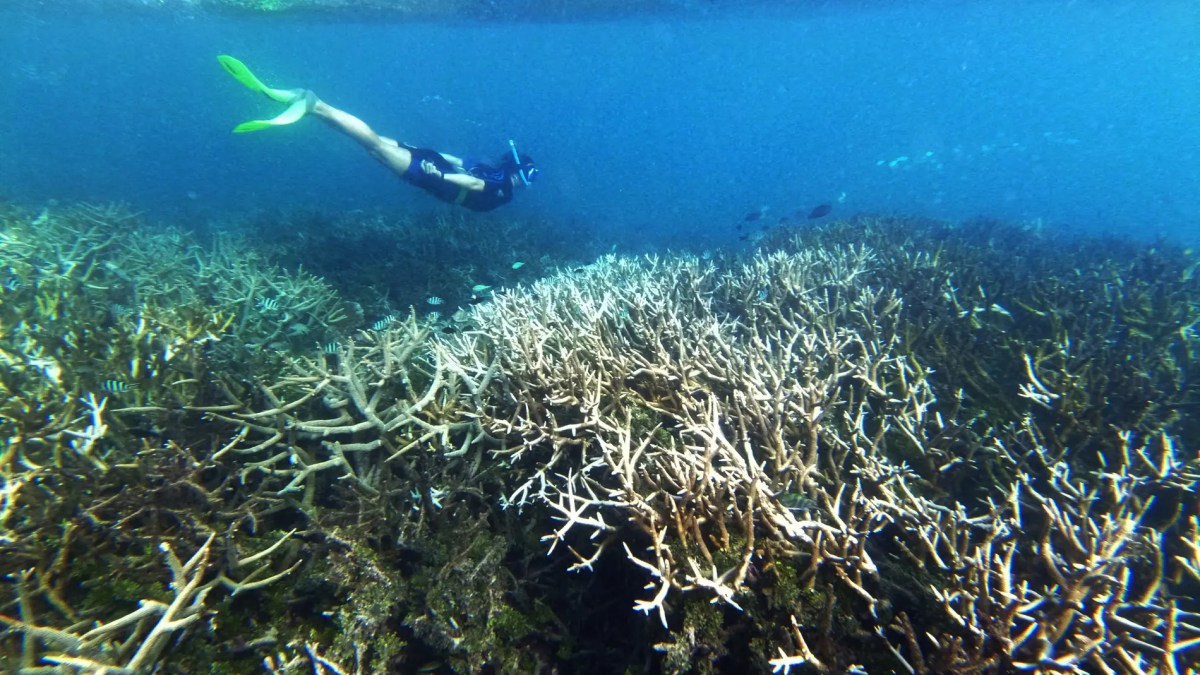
(434, 300)
(269, 304)
(331, 347)
(384, 322)
(116, 386)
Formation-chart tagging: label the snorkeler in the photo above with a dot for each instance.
(474, 185)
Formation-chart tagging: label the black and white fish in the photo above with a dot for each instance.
(116, 386)
(384, 322)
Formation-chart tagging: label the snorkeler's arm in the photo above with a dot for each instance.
(465, 180)
(456, 161)
(460, 179)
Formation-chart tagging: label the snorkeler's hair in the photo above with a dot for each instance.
(519, 166)
(510, 165)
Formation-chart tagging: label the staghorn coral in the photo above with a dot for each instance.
(1080, 581)
(105, 343)
(381, 422)
(386, 387)
(134, 642)
(914, 456)
(640, 402)
(390, 262)
(641, 397)
(106, 333)
(734, 432)
(93, 305)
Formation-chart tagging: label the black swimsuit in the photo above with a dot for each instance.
(497, 189)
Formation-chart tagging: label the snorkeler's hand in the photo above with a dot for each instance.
(431, 168)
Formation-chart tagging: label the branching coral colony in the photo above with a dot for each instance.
(105, 333)
(773, 414)
(721, 429)
(903, 457)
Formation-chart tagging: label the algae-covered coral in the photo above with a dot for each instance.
(881, 444)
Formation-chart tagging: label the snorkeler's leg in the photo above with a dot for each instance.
(389, 152)
(455, 162)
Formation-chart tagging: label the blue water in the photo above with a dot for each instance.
(648, 128)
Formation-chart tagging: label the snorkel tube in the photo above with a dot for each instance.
(526, 179)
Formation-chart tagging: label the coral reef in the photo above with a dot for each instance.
(880, 445)
(783, 414)
(108, 342)
(391, 262)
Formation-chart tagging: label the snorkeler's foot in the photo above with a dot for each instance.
(301, 105)
(310, 100)
(299, 101)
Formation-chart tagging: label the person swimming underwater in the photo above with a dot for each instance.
(468, 183)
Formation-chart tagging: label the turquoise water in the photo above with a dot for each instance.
(647, 128)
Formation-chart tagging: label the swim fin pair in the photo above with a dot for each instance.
(300, 101)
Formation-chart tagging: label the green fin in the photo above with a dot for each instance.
(242, 74)
(299, 100)
(294, 112)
